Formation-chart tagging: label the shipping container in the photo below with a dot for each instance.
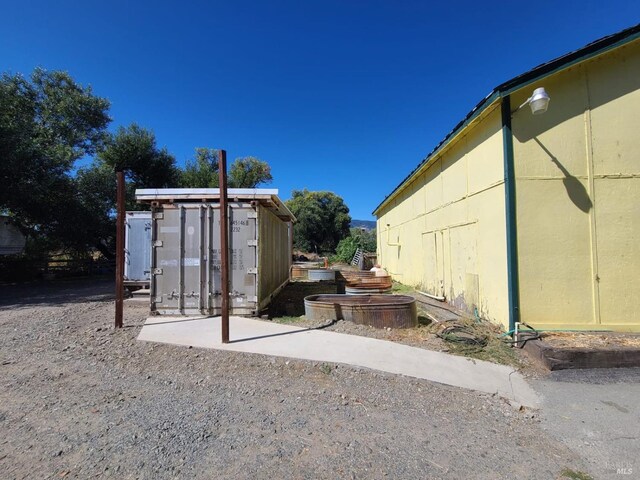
(186, 255)
(137, 250)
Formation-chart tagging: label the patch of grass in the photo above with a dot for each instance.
(575, 475)
(326, 369)
(287, 320)
(492, 348)
(398, 287)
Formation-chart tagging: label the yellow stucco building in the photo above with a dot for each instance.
(533, 218)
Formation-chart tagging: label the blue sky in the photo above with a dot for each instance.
(346, 96)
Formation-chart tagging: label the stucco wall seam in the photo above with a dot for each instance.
(614, 176)
(593, 235)
(448, 204)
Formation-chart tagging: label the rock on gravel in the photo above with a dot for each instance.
(80, 399)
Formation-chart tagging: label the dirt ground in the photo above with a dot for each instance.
(81, 400)
(433, 316)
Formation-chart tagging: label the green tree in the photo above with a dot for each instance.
(47, 123)
(134, 150)
(323, 220)
(203, 171)
(249, 172)
(358, 238)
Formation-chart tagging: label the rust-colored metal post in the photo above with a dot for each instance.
(120, 206)
(224, 244)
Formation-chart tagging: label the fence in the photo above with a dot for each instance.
(16, 269)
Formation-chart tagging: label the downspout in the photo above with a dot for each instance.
(510, 212)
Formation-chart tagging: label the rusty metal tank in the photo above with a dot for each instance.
(380, 311)
(369, 285)
(354, 275)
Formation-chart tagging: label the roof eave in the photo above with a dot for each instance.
(593, 49)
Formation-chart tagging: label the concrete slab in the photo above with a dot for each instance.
(596, 413)
(256, 336)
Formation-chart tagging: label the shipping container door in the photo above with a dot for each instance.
(243, 244)
(242, 259)
(165, 261)
(138, 248)
(192, 257)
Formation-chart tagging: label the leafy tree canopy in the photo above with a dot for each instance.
(358, 238)
(133, 150)
(249, 172)
(323, 220)
(47, 122)
(203, 171)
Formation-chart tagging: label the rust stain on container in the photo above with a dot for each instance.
(380, 311)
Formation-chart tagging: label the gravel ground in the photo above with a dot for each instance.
(80, 400)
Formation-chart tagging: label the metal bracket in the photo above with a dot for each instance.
(158, 215)
(157, 271)
(252, 214)
(252, 243)
(253, 270)
(157, 243)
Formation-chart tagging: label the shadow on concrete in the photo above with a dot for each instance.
(302, 330)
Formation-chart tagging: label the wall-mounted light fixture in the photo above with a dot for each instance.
(539, 102)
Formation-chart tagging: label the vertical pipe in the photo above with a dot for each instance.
(181, 260)
(154, 259)
(208, 261)
(513, 287)
(120, 206)
(224, 245)
(201, 263)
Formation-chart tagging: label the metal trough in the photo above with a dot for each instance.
(319, 274)
(354, 275)
(380, 311)
(367, 289)
(299, 273)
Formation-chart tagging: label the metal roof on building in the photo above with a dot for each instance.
(597, 47)
(267, 197)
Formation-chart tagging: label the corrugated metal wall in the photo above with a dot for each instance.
(186, 258)
(274, 256)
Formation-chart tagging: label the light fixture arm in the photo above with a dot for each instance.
(538, 102)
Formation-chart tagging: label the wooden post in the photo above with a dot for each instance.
(224, 245)
(120, 206)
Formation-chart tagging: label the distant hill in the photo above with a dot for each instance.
(368, 224)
